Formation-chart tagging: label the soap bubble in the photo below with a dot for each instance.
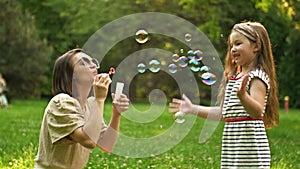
(208, 78)
(183, 61)
(194, 65)
(141, 67)
(175, 57)
(204, 69)
(181, 50)
(127, 70)
(172, 68)
(154, 66)
(141, 36)
(188, 37)
(190, 54)
(179, 117)
(198, 54)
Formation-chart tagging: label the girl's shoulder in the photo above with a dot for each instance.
(260, 74)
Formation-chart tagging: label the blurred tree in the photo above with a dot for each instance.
(275, 15)
(24, 56)
(69, 23)
(289, 62)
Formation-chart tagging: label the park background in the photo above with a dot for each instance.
(34, 33)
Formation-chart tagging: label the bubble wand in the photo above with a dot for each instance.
(112, 71)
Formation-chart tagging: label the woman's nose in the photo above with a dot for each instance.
(93, 65)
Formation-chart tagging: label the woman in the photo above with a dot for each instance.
(3, 99)
(73, 122)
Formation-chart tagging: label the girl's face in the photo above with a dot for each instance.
(242, 50)
(84, 68)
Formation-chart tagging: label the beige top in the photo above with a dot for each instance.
(56, 151)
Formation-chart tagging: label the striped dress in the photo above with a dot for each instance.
(244, 142)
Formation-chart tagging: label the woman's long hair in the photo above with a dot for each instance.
(63, 73)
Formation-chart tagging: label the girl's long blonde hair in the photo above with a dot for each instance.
(256, 33)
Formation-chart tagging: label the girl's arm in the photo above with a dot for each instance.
(187, 107)
(253, 101)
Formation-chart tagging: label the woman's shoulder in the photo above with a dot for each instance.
(62, 97)
(64, 101)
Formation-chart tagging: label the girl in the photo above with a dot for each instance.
(248, 97)
(73, 122)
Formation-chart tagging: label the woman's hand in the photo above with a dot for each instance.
(101, 84)
(185, 105)
(121, 104)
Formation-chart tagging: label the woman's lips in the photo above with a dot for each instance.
(95, 72)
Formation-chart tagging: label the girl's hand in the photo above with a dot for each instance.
(101, 84)
(242, 90)
(121, 104)
(184, 105)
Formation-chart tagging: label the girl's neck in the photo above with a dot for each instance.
(250, 66)
(242, 71)
(247, 68)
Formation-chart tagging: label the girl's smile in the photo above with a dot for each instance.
(242, 50)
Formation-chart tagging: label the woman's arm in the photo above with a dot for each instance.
(119, 107)
(89, 134)
(82, 138)
(109, 138)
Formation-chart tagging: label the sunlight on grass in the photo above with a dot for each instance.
(20, 125)
(281, 164)
(22, 159)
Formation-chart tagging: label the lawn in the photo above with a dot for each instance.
(20, 124)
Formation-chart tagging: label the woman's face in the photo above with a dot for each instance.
(84, 69)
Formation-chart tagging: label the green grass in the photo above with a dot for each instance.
(20, 124)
